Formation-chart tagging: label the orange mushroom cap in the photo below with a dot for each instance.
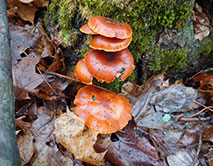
(109, 44)
(86, 29)
(81, 72)
(110, 28)
(106, 66)
(103, 111)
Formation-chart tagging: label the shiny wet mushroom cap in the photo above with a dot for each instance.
(81, 72)
(107, 66)
(110, 28)
(103, 111)
(109, 44)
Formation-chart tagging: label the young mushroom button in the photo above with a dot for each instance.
(103, 111)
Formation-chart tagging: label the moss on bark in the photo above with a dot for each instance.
(147, 19)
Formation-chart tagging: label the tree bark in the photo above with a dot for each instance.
(9, 154)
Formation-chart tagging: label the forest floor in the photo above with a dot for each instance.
(171, 121)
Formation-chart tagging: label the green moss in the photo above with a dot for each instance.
(206, 46)
(162, 60)
(61, 13)
(115, 86)
(146, 17)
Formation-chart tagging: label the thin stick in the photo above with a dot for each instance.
(189, 119)
(194, 75)
(46, 81)
(203, 105)
(201, 111)
(63, 76)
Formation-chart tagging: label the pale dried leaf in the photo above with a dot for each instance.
(26, 1)
(201, 23)
(183, 158)
(71, 132)
(175, 98)
(25, 146)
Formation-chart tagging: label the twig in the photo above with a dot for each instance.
(47, 82)
(201, 111)
(203, 105)
(195, 75)
(189, 119)
(60, 75)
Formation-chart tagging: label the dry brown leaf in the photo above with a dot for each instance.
(25, 11)
(71, 132)
(25, 76)
(201, 23)
(25, 146)
(41, 3)
(22, 38)
(208, 133)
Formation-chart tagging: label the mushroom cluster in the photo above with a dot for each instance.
(104, 111)
(108, 57)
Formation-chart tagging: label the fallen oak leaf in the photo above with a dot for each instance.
(71, 132)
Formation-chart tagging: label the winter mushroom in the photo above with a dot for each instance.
(109, 44)
(86, 29)
(103, 111)
(106, 66)
(81, 72)
(110, 28)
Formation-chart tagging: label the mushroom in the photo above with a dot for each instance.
(106, 66)
(103, 111)
(81, 72)
(86, 29)
(109, 44)
(110, 28)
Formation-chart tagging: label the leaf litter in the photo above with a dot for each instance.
(170, 126)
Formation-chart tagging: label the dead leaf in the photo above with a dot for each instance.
(208, 133)
(25, 76)
(41, 3)
(155, 120)
(135, 149)
(210, 157)
(25, 11)
(183, 158)
(22, 38)
(25, 146)
(41, 129)
(141, 106)
(201, 22)
(190, 135)
(175, 98)
(71, 132)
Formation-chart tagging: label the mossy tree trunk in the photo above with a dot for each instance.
(9, 155)
(161, 29)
